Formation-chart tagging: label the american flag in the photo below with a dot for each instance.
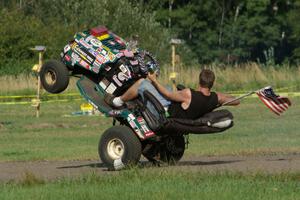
(274, 102)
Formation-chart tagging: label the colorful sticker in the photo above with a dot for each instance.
(84, 64)
(111, 56)
(84, 43)
(95, 42)
(103, 85)
(119, 55)
(67, 58)
(67, 48)
(101, 59)
(103, 52)
(107, 68)
(112, 42)
(111, 88)
(130, 116)
(116, 80)
(96, 69)
(87, 39)
(149, 134)
(75, 58)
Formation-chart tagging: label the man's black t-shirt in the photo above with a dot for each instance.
(200, 105)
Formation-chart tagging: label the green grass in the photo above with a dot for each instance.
(256, 131)
(54, 136)
(159, 184)
(58, 136)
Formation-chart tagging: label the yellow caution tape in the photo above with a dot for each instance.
(34, 96)
(277, 90)
(286, 94)
(47, 101)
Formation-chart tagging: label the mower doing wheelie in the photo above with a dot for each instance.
(106, 64)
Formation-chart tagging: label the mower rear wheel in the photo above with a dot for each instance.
(169, 150)
(119, 146)
(173, 149)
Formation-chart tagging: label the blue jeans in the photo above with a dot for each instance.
(147, 85)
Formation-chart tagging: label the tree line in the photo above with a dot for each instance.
(224, 31)
(233, 31)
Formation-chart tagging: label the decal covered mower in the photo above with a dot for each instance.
(105, 63)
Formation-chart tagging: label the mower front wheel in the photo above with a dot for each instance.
(119, 147)
(54, 76)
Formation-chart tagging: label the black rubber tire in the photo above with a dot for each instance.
(169, 150)
(59, 75)
(132, 146)
(172, 152)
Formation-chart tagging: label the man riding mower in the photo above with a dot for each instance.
(107, 66)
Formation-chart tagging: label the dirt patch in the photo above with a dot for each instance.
(54, 125)
(40, 126)
(4, 124)
(49, 170)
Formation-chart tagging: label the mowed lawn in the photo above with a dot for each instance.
(59, 135)
(158, 184)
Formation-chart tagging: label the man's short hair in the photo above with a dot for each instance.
(206, 78)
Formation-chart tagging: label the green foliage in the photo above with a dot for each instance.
(218, 31)
(234, 31)
(53, 23)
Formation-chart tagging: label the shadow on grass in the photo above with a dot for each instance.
(146, 164)
(206, 163)
(91, 165)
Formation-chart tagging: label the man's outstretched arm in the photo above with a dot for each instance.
(177, 96)
(223, 98)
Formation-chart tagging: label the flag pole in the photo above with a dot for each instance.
(238, 98)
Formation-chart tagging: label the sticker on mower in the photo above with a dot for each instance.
(95, 42)
(132, 123)
(144, 127)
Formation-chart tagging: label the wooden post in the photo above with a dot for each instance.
(38, 96)
(173, 74)
(173, 78)
(36, 69)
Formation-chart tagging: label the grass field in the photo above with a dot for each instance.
(158, 184)
(57, 135)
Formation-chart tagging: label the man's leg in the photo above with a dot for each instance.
(132, 92)
(136, 89)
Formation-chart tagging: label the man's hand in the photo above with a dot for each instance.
(152, 77)
(183, 96)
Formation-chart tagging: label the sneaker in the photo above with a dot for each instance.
(108, 98)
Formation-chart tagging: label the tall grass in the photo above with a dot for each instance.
(240, 77)
(228, 78)
(24, 84)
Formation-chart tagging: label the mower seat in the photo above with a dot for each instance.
(213, 122)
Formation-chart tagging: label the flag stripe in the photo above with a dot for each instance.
(283, 104)
(274, 102)
(276, 106)
(267, 103)
(286, 102)
(271, 106)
